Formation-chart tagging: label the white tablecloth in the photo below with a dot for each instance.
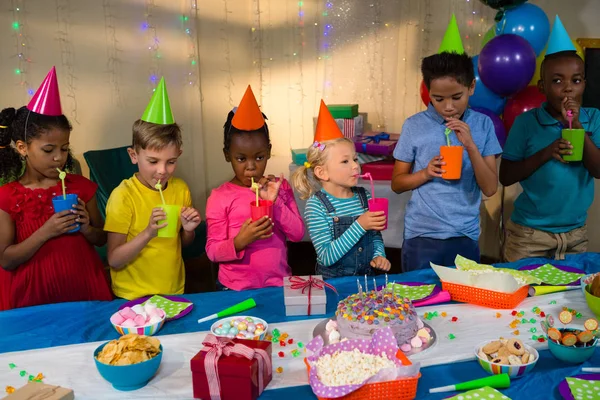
(73, 366)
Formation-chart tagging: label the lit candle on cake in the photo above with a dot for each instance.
(375, 288)
(366, 286)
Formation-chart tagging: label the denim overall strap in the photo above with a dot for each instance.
(357, 260)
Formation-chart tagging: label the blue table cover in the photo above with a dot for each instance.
(71, 323)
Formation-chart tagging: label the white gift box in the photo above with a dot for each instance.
(297, 300)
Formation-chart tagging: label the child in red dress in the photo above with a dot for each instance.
(41, 262)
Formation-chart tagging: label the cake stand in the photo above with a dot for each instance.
(320, 331)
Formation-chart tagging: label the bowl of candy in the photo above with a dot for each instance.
(506, 356)
(241, 327)
(144, 319)
(574, 343)
(129, 362)
(590, 284)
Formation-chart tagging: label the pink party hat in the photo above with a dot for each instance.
(46, 100)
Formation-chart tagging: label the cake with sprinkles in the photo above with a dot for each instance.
(358, 316)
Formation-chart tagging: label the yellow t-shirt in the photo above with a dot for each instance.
(158, 268)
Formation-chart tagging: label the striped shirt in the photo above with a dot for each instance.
(320, 228)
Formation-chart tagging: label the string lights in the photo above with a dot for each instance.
(63, 20)
(153, 43)
(113, 61)
(188, 24)
(19, 28)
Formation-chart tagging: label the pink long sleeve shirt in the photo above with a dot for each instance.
(262, 263)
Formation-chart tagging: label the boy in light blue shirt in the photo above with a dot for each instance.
(442, 216)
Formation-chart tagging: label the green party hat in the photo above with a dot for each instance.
(452, 42)
(159, 108)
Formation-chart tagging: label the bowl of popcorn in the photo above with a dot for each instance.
(141, 319)
(510, 356)
(241, 327)
(129, 362)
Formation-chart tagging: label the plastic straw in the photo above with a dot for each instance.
(447, 132)
(368, 175)
(255, 187)
(159, 187)
(62, 175)
(570, 118)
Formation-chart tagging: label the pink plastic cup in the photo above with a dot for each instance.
(265, 207)
(380, 204)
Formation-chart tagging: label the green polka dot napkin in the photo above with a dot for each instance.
(171, 308)
(553, 276)
(486, 393)
(582, 389)
(412, 292)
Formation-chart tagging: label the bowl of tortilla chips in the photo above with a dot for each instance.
(129, 362)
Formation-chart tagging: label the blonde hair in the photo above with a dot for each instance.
(147, 135)
(303, 179)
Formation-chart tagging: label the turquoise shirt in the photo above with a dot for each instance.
(556, 197)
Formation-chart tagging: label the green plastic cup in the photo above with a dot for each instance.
(169, 231)
(576, 137)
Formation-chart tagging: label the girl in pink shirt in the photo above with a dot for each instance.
(250, 254)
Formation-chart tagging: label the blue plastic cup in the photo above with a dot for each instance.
(61, 203)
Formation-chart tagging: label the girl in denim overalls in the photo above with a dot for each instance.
(346, 235)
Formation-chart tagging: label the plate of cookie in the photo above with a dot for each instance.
(510, 356)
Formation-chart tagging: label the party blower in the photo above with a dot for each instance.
(376, 204)
(501, 381)
(238, 308)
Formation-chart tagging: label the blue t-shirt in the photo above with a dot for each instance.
(556, 196)
(441, 209)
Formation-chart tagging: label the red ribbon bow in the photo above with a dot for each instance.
(301, 283)
(216, 347)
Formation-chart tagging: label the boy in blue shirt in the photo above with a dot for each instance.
(442, 216)
(549, 216)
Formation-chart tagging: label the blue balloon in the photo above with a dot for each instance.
(484, 97)
(528, 21)
(506, 64)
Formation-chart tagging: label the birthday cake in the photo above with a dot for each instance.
(358, 316)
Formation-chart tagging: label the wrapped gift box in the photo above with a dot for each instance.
(38, 390)
(351, 127)
(376, 143)
(301, 291)
(379, 170)
(343, 110)
(299, 156)
(238, 376)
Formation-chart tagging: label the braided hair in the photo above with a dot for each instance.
(24, 125)
(230, 130)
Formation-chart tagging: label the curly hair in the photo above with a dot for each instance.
(24, 125)
(230, 130)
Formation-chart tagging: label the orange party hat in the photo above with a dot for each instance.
(327, 128)
(248, 116)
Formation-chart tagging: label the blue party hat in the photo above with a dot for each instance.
(559, 39)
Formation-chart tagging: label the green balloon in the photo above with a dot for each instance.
(489, 35)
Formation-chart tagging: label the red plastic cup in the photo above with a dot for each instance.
(380, 204)
(265, 207)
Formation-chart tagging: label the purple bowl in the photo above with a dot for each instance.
(563, 386)
(565, 268)
(185, 312)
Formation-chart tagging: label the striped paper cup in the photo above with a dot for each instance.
(514, 371)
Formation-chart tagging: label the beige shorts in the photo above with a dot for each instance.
(525, 242)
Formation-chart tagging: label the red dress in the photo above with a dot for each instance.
(65, 268)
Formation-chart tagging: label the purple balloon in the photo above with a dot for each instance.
(498, 125)
(506, 64)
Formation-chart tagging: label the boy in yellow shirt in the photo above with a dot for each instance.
(142, 263)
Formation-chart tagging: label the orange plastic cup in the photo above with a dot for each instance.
(453, 156)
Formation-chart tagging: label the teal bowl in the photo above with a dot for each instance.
(572, 355)
(128, 377)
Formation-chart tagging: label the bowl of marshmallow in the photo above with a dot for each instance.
(143, 319)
